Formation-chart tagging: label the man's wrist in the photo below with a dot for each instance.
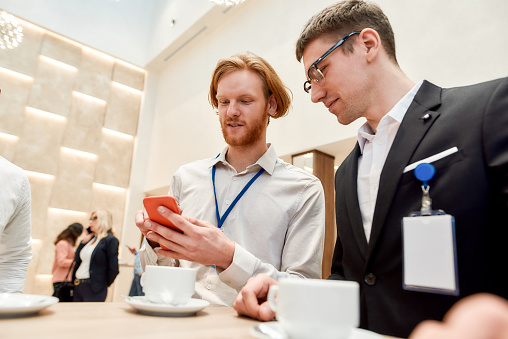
(229, 255)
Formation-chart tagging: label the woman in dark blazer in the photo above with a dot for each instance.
(96, 260)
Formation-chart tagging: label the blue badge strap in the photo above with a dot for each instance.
(220, 220)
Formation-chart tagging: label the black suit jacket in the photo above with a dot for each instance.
(103, 263)
(471, 185)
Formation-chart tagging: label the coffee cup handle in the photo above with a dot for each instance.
(142, 280)
(272, 293)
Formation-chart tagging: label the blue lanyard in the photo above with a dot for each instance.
(220, 220)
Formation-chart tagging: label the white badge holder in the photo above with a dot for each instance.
(429, 246)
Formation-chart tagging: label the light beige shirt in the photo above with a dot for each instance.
(278, 225)
(15, 227)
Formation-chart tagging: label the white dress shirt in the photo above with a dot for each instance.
(278, 225)
(15, 227)
(375, 148)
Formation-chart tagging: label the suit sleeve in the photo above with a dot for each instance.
(112, 259)
(495, 134)
(337, 271)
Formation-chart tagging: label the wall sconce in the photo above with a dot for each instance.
(58, 63)
(45, 114)
(124, 136)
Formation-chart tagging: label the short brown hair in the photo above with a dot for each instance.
(272, 84)
(345, 17)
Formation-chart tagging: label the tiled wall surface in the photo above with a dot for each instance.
(68, 117)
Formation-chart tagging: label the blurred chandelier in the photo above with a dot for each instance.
(228, 2)
(10, 32)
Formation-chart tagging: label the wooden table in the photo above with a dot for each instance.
(119, 320)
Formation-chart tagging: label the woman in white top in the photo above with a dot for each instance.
(96, 260)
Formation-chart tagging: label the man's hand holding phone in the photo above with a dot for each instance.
(152, 204)
(182, 237)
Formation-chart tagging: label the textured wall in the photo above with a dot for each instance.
(68, 117)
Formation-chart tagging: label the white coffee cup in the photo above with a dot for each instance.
(168, 285)
(315, 308)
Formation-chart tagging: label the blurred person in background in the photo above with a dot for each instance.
(136, 289)
(65, 248)
(15, 227)
(96, 260)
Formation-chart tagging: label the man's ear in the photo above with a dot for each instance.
(371, 42)
(272, 105)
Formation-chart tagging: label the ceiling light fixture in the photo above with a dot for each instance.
(228, 2)
(11, 33)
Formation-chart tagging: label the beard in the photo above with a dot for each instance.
(251, 135)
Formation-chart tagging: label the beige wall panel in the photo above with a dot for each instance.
(52, 88)
(43, 284)
(112, 200)
(94, 75)
(84, 125)
(39, 143)
(123, 110)
(41, 192)
(23, 59)
(8, 148)
(15, 91)
(73, 184)
(129, 76)
(61, 49)
(114, 165)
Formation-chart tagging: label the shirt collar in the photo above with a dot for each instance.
(267, 161)
(395, 115)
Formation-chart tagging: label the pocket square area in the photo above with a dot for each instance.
(431, 159)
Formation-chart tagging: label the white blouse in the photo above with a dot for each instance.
(83, 271)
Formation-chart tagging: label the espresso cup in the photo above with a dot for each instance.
(168, 285)
(315, 308)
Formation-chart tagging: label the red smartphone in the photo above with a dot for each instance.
(152, 203)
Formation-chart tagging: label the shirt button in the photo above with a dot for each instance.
(208, 287)
(234, 179)
(227, 202)
(370, 279)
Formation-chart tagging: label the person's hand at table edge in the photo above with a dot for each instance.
(251, 300)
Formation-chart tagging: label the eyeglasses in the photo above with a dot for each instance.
(315, 73)
(93, 218)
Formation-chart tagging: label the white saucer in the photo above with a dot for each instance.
(273, 329)
(142, 305)
(18, 304)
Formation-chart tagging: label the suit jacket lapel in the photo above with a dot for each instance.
(353, 207)
(411, 131)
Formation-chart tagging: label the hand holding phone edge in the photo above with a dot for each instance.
(151, 204)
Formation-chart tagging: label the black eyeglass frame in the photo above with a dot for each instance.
(307, 85)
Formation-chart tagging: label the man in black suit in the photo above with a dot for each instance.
(348, 52)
